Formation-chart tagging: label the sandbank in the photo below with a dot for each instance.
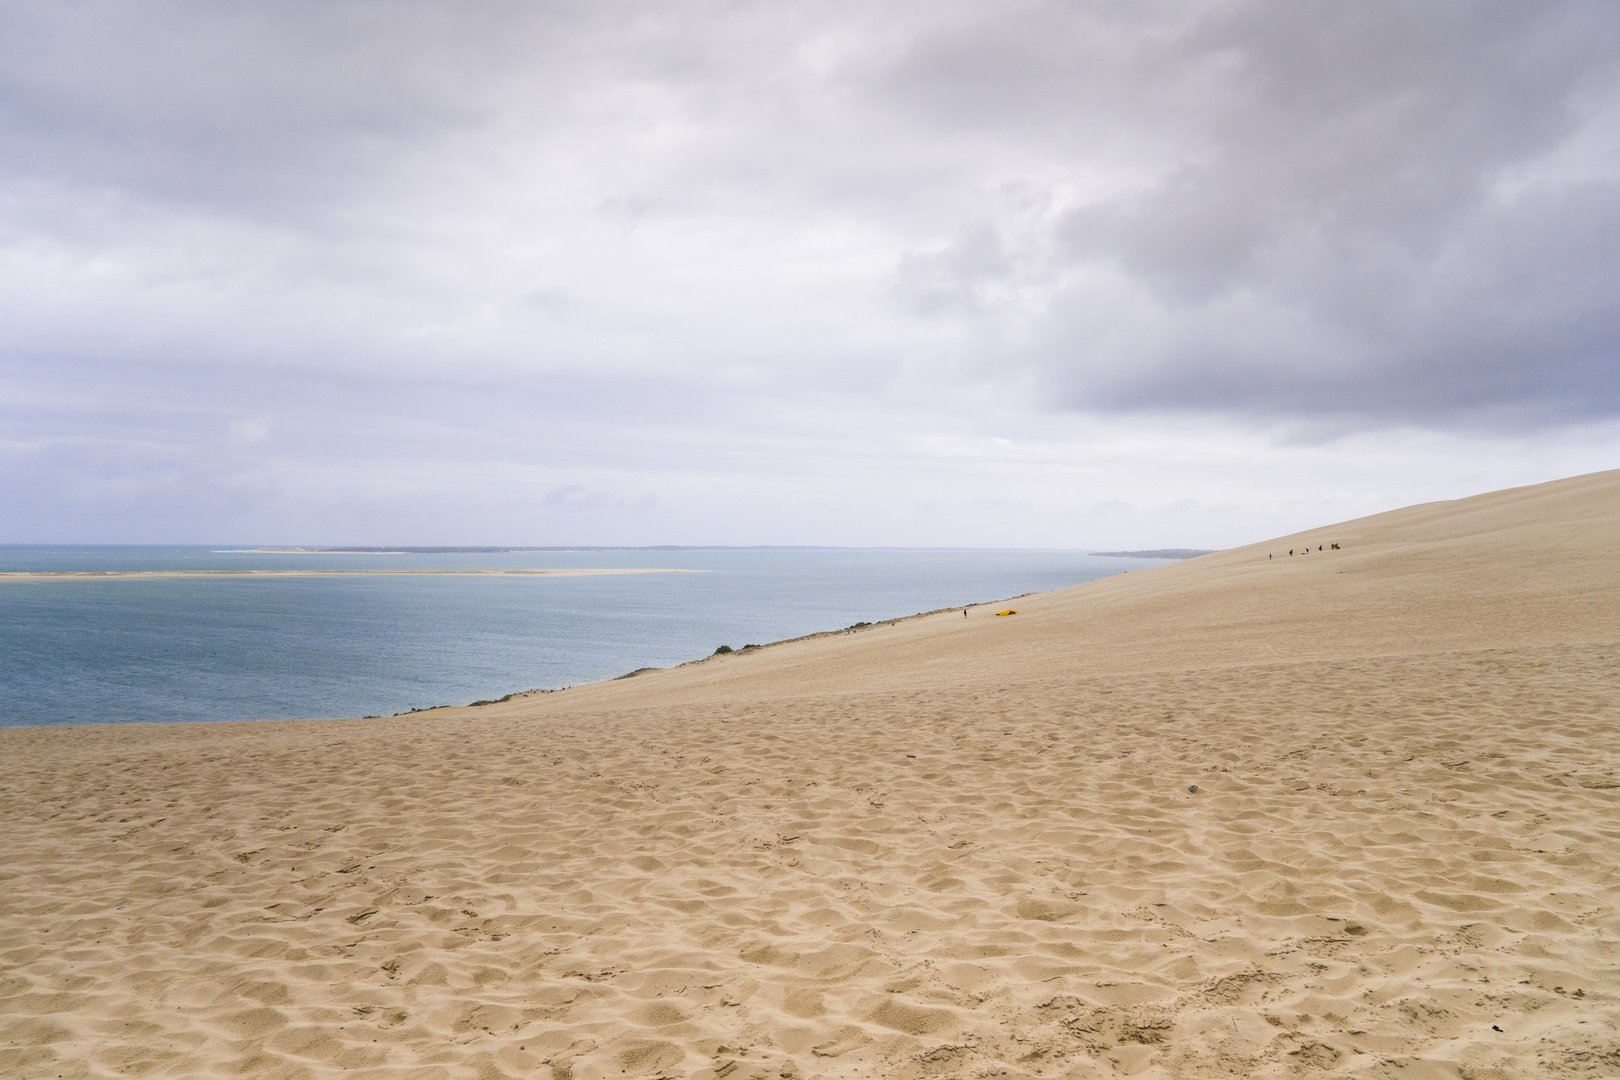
(80, 575)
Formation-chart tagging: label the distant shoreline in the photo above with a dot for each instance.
(1157, 553)
(59, 575)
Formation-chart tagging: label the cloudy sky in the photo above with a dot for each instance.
(1077, 274)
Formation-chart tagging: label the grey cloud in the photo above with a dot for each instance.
(1346, 130)
(957, 278)
(218, 105)
(1343, 245)
(578, 498)
(676, 219)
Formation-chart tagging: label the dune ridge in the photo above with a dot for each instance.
(1352, 813)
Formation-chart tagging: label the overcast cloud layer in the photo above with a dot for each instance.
(1028, 274)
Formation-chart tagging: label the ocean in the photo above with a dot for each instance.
(91, 651)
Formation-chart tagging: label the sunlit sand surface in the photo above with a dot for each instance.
(948, 847)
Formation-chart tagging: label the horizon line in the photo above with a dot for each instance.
(437, 549)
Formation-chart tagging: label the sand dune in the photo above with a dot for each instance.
(946, 847)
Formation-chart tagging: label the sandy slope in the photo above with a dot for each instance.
(951, 847)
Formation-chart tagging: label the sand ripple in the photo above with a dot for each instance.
(1391, 867)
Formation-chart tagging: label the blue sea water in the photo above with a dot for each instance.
(79, 651)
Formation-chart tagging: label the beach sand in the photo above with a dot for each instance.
(947, 847)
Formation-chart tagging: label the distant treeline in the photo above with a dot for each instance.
(403, 550)
(1181, 553)
(406, 550)
(1158, 553)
